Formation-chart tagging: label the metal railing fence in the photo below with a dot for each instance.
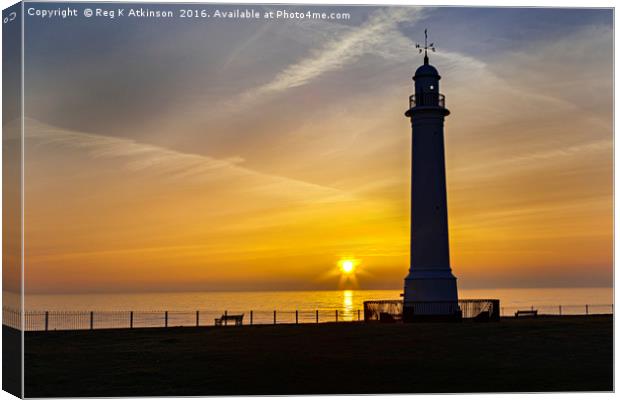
(84, 320)
(373, 311)
(392, 310)
(383, 310)
(11, 317)
(571, 309)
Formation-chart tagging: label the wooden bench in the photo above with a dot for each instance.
(526, 313)
(238, 319)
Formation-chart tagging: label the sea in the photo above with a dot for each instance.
(571, 299)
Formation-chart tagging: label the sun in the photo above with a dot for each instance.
(348, 269)
(347, 266)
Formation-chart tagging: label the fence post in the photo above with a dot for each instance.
(91, 320)
(336, 315)
(359, 315)
(131, 319)
(274, 317)
(560, 310)
(296, 317)
(586, 309)
(317, 316)
(251, 317)
(532, 308)
(225, 315)
(197, 318)
(47, 320)
(166, 319)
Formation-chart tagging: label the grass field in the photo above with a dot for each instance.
(539, 354)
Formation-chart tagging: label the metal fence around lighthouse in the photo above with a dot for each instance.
(392, 310)
(481, 309)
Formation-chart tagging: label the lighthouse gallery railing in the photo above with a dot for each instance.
(427, 99)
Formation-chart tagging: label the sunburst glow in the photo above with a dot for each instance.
(348, 267)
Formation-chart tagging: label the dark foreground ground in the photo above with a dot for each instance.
(540, 354)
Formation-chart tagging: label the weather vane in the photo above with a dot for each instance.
(426, 47)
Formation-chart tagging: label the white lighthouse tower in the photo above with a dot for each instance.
(430, 287)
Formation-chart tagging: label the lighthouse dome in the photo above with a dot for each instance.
(426, 70)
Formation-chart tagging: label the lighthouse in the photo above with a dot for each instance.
(430, 287)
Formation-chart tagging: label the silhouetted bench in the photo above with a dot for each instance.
(526, 313)
(238, 319)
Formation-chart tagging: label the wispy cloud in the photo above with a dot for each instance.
(537, 159)
(569, 151)
(339, 52)
(138, 156)
(172, 164)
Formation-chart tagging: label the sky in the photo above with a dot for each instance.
(172, 155)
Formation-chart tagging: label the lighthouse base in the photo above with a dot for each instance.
(431, 295)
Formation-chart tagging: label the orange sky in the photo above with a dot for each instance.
(268, 184)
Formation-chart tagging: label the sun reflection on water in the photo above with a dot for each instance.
(347, 304)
